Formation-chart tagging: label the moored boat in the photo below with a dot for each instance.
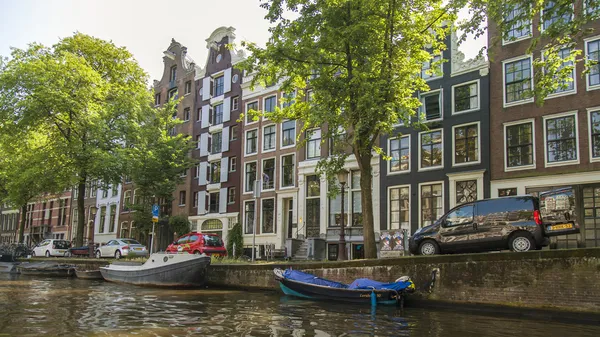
(9, 267)
(53, 269)
(161, 270)
(304, 285)
(89, 274)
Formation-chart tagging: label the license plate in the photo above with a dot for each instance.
(61, 251)
(560, 226)
(137, 248)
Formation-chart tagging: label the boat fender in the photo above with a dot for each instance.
(165, 259)
(373, 299)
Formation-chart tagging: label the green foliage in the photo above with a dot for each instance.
(180, 224)
(235, 237)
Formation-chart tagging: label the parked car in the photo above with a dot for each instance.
(198, 243)
(121, 247)
(51, 247)
(513, 222)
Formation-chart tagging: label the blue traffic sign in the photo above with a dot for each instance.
(155, 210)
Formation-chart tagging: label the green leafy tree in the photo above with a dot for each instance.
(362, 61)
(236, 238)
(156, 159)
(180, 224)
(86, 95)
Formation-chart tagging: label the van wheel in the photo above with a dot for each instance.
(521, 242)
(47, 254)
(429, 247)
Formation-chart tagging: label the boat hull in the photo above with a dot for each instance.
(186, 273)
(46, 269)
(316, 292)
(9, 267)
(89, 274)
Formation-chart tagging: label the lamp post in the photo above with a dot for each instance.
(91, 222)
(342, 178)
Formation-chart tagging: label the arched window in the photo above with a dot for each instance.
(212, 225)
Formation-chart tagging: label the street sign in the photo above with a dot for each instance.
(155, 209)
(154, 219)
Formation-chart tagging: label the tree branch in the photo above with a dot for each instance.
(292, 58)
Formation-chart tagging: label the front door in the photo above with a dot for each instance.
(290, 217)
(457, 230)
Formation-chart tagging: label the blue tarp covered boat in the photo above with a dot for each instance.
(363, 290)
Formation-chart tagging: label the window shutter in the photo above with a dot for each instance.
(201, 202)
(225, 139)
(206, 88)
(227, 80)
(205, 114)
(223, 200)
(226, 109)
(224, 169)
(202, 175)
(204, 144)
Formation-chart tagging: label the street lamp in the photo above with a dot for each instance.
(342, 178)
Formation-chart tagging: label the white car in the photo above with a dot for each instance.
(52, 247)
(121, 247)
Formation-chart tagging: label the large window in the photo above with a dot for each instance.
(217, 114)
(251, 141)
(518, 26)
(181, 198)
(250, 176)
(517, 80)
(269, 138)
(288, 99)
(268, 174)
(213, 202)
(356, 201)
(400, 153)
(466, 144)
(215, 172)
(288, 170)
(173, 74)
(466, 97)
(556, 14)
(595, 134)
(219, 85)
(313, 145)
(102, 219)
(231, 195)
(250, 106)
(268, 215)
(566, 85)
(288, 133)
(431, 149)
(188, 87)
(431, 105)
(111, 219)
(216, 143)
(432, 206)
(399, 208)
(270, 103)
(126, 200)
(427, 72)
(249, 217)
(313, 205)
(335, 208)
(561, 139)
(519, 145)
(593, 54)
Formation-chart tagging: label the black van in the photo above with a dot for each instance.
(513, 222)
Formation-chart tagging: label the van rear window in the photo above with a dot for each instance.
(212, 241)
(505, 206)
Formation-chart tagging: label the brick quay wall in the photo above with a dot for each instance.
(563, 280)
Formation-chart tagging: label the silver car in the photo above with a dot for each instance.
(121, 247)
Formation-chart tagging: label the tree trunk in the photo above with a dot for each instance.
(22, 224)
(366, 199)
(81, 211)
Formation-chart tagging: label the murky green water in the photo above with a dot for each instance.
(72, 307)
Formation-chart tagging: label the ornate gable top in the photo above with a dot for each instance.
(218, 35)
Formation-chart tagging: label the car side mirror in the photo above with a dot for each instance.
(174, 243)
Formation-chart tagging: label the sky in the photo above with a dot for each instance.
(144, 27)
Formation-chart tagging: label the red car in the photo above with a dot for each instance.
(198, 243)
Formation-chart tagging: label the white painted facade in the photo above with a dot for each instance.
(104, 200)
(521, 184)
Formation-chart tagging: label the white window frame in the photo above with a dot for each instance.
(294, 177)
(246, 112)
(587, 76)
(562, 163)
(389, 206)
(478, 82)
(589, 113)
(525, 167)
(454, 164)
(320, 144)
(419, 223)
(262, 163)
(185, 197)
(263, 139)
(244, 217)
(235, 103)
(246, 140)
(264, 101)
(389, 153)
(245, 173)
(281, 147)
(542, 16)
(262, 201)
(231, 161)
(422, 108)
(419, 149)
(434, 77)
(567, 92)
(511, 60)
(525, 37)
(585, 5)
(457, 177)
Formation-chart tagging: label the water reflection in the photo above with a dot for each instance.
(56, 307)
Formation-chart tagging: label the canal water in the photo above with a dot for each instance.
(73, 307)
